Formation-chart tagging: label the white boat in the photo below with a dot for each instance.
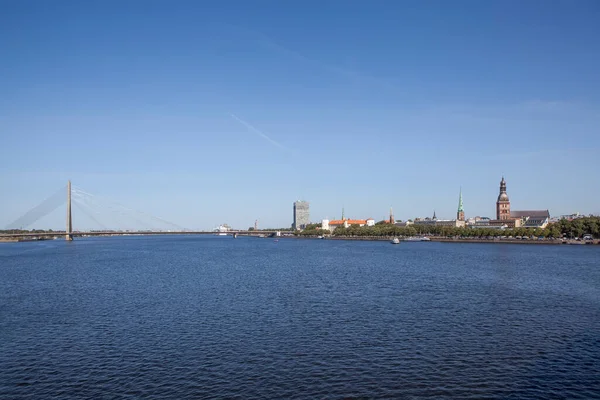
(395, 241)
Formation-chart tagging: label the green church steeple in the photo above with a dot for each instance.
(460, 214)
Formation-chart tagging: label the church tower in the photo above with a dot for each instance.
(503, 203)
(460, 214)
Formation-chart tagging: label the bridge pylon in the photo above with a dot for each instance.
(69, 229)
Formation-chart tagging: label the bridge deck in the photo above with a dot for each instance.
(112, 233)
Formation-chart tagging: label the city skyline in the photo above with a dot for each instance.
(300, 215)
(204, 115)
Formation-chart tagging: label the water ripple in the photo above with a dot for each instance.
(189, 318)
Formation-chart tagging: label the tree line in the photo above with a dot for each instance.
(18, 231)
(251, 228)
(563, 228)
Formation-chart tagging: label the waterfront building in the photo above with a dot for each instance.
(515, 219)
(478, 221)
(505, 223)
(439, 222)
(485, 222)
(532, 218)
(301, 215)
(345, 222)
(505, 226)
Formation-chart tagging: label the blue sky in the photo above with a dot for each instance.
(209, 112)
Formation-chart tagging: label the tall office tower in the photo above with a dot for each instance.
(301, 215)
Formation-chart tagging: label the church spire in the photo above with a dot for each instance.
(503, 196)
(434, 217)
(460, 214)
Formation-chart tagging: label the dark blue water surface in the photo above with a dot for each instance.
(187, 317)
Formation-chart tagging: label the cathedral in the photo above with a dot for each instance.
(516, 219)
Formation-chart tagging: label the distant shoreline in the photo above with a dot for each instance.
(463, 240)
(382, 239)
(10, 239)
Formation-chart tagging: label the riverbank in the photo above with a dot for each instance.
(496, 240)
(23, 239)
(463, 240)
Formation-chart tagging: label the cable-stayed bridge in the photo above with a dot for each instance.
(110, 217)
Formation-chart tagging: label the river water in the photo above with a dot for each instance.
(189, 317)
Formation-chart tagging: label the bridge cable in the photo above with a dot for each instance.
(115, 214)
(41, 210)
(125, 211)
(81, 207)
(121, 206)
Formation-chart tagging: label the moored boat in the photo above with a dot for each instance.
(416, 239)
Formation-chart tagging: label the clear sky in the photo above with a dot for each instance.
(228, 111)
